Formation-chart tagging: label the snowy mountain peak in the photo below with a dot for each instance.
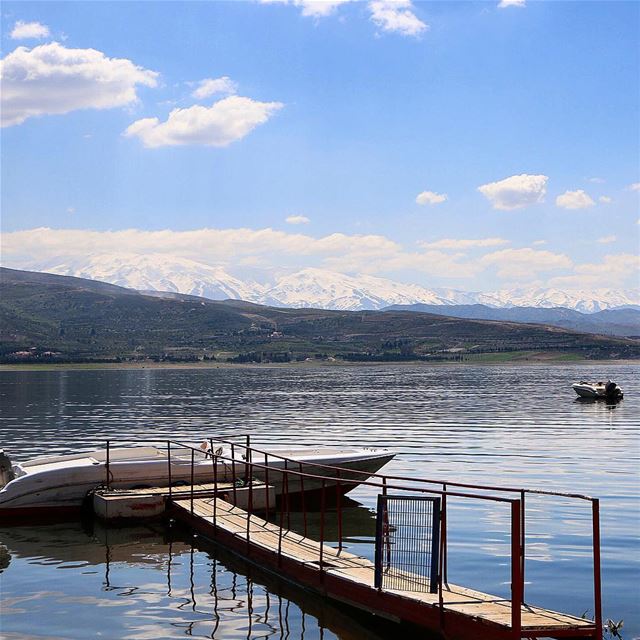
(159, 272)
(313, 287)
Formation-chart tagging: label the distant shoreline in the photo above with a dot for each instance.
(539, 359)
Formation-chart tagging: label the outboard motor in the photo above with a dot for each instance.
(6, 472)
(612, 391)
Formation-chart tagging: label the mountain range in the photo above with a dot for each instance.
(315, 288)
(46, 317)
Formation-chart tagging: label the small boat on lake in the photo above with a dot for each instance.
(598, 390)
(59, 483)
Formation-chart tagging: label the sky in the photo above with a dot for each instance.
(476, 145)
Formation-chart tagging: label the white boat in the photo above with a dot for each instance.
(598, 390)
(59, 483)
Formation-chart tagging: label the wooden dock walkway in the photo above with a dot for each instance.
(457, 611)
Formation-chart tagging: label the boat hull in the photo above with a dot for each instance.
(64, 490)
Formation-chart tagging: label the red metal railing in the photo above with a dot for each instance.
(384, 482)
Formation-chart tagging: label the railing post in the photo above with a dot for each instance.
(322, 509)
(443, 523)
(214, 463)
(516, 576)
(233, 473)
(247, 454)
(284, 480)
(339, 510)
(169, 467)
(107, 465)
(266, 483)
(304, 508)
(597, 586)
(250, 508)
(193, 453)
(522, 539)
(441, 560)
(286, 468)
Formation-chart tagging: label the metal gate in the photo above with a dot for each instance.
(407, 543)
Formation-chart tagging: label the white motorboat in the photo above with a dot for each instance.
(59, 483)
(598, 390)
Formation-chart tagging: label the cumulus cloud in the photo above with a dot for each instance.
(605, 200)
(539, 243)
(52, 79)
(268, 248)
(211, 86)
(578, 199)
(504, 4)
(525, 263)
(430, 197)
(29, 31)
(515, 192)
(219, 125)
(612, 271)
(297, 220)
(313, 8)
(635, 186)
(396, 16)
(451, 243)
(607, 239)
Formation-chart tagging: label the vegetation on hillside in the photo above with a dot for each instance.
(56, 318)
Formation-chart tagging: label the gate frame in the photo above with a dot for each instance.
(434, 578)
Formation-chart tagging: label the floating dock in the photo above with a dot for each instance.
(250, 513)
(331, 572)
(247, 507)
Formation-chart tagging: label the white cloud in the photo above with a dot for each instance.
(319, 8)
(504, 4)
(578, 199)
(211, 86)
(605, 200)
(515, 192)
(219, 125)
(52, 79)
(596, 180)
(607, 239)
(312, 8)
(451, 243)
(539, 243)
(525, 263)
(634, 186)
(267, 248)
(396, 16)
(431, 197)
(613, 271)
(297, 220)
(29, 31)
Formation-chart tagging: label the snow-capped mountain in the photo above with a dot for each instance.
(159, 273)
(314, 287)
(578, 300)
(330, 290)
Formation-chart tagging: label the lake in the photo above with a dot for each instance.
(517, 425)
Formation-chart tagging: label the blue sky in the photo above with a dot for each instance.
(343, 118)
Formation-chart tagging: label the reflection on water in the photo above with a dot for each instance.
(156, 582)
(512, 425)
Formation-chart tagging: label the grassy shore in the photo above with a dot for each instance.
(511, 358)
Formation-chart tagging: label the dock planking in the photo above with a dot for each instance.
(338, 574)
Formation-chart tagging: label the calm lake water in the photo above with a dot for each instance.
(511, 425)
